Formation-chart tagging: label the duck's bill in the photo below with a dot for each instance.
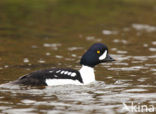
(108, 59)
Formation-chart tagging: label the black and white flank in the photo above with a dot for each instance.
(97, 53)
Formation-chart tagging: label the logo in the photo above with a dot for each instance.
(137, 107)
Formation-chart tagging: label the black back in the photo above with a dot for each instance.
(38, 78)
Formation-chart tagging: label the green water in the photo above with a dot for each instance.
(40, 34)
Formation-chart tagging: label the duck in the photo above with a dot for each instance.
(96, 54)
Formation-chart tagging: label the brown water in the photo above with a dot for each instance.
(47, 34)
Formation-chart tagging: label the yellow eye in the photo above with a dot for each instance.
(98, 52)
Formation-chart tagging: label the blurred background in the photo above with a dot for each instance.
(40, 34)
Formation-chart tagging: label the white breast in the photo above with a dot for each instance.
(87, 74)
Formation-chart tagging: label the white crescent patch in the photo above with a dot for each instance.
(103, 56)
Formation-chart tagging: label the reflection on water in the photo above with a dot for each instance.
(56, 33)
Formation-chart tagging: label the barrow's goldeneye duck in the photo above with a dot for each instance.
(97, 53)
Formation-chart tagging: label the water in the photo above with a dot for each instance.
(55, 33)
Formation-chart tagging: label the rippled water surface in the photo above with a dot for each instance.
(49, 34)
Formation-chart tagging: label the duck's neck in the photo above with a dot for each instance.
(87, 74)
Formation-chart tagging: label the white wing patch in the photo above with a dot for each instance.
(58, 71)
(62, 72)
(103, 56)
(55, 76)
(54, 82)
(72, 74)
(50, 71)
(69, 73)
(66, 72)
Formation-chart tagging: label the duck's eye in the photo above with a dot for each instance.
(98, 51)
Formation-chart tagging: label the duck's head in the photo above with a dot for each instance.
(97, 53)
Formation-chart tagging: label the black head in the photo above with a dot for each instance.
(97, 53)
